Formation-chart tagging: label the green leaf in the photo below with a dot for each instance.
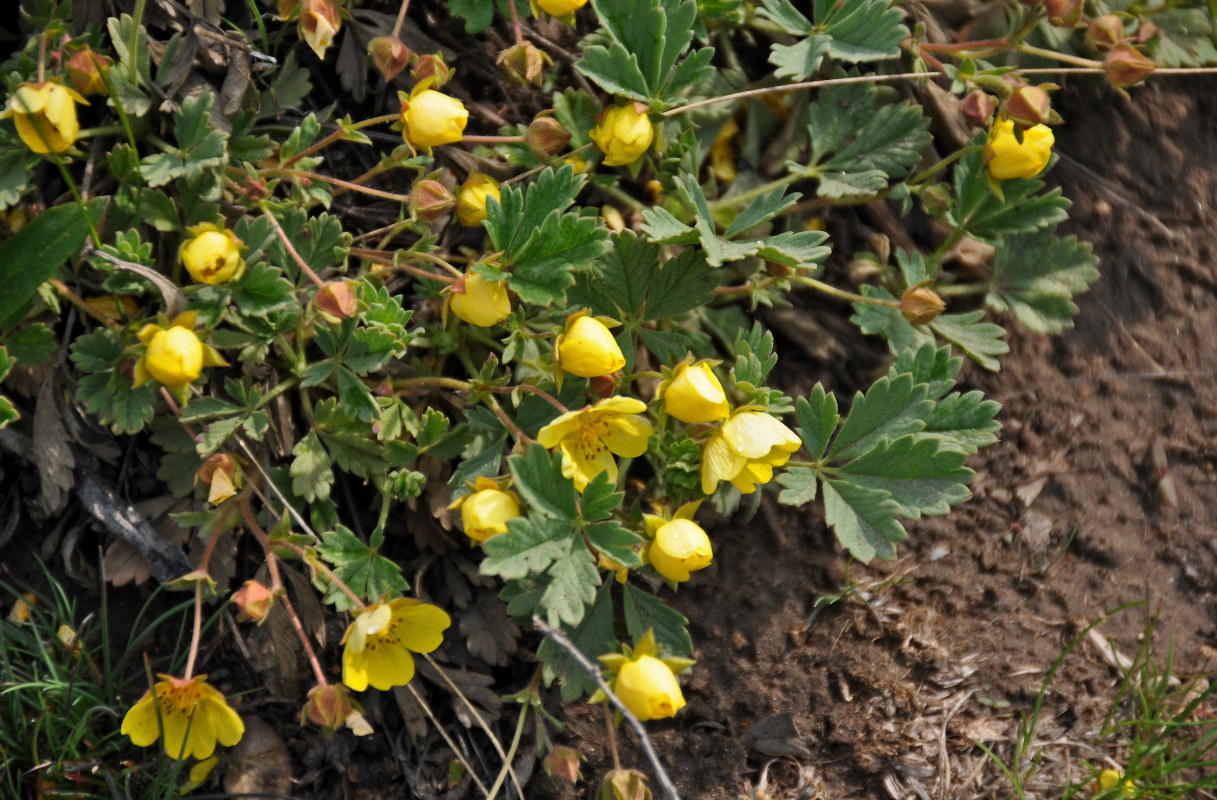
(800, 485)
(478, 14)
(818, 418)
(34, 344)
(542, 242)
(1185, 37)
(864, 519)
(919, 477)
(262, 290)
(980, 341)
(573, 582)
(963, 422)
(116, 402)
(312, 475)
(360, 567)
(530, 545)
(983, 215)
(1036, 277)
(215, 434)
(857, 146)
(646, 612)
(891, 408)
(538, 478)
(98, 351)
(7, 412)
(350, 443)
(33, 254)
(797, 62)
(599, 499)
(15, 174)
(576, 110)
(888, 322)
(929, 364)
(593, 637)
(616, 542)
(319, 241)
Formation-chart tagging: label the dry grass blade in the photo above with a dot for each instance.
(448, 739)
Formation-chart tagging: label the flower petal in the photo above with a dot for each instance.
(628, 435)
(419, 626)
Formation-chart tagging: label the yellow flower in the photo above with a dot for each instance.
(744, 450)
(429, 118)
(471, 200)
(212, 256)
(586, 348)
(483, 303)
(193, 714)
(560, 8)
(1110, 779)
(693, 394)
(485, 511)
(648, 688)
(175, 356)
(722, 153)
(1007, 157)
(319, 24)
(678, 546)
(590, 437)
(380, 640)
(623, 133)
(45, 116)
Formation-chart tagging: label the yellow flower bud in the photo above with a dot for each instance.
(1007, 157)
(85, 71)
(694, 394)
(485, 513)
(587, 348)
(560, 8)
(680, 547)
(648, 688)
(471, 199)
(175, 356)
(430, 118)
(212, 256)
(483, 303)
(45, 116)
(623, 133)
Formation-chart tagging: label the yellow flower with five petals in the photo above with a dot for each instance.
(45, 116)
(745, 449)
(379, 643)
(590, 437)
(193, 714)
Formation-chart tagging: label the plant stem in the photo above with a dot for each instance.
(515, 26)
(67, 178)
(476, 139)
(734, 200)
(961, 289)
(951, 159)
(508, 422)
(354, 187)
(812, 283)
(291, 250)
(401, 18)
(336, 135)
(515, 740)
(137, 20)
(1065, 58)
(528, 387)
(612, 735)
(965, 47)
(76, 300)
(432, 380)
(794, 87)
(196, 635)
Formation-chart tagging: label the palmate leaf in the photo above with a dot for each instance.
(1037, 276)
(983, 215)
(538, 478)
(646, 612)
(856, 147)
(637, 50)
(891, 408)
(848, 30)
(542, 242)
(572, 586)
(864, 519)
(918, 476)
(1185, 37)
(369, 574)
(530, 546)
(978, 340)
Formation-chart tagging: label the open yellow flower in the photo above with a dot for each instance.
(486, 510)
(678, 545)
(623, 134)
(744, 450)
(559, 8)
(693, 394)
(590, 437)
(587, 348)
(430, 118)
(45, 116)
(175, 355)
(1007, 157)
(471, 199)
(482, 303)
(193, 714)
(380, 641)
(212, 255)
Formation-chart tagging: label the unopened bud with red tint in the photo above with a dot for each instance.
(222, 472)
(523, 64)
(1105, 32)
(547, 137)
(85, 71)
(253, 601)
(336, 301)
(978, 107)
(602, 385)
(562, 764)
(389, 55)
(1127, 66)
(430, 200)
(431, 66)
(1029, 106)
(920, 306)
(319, 24)
(1145, 32)
(330, 707)
(1064, 13)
